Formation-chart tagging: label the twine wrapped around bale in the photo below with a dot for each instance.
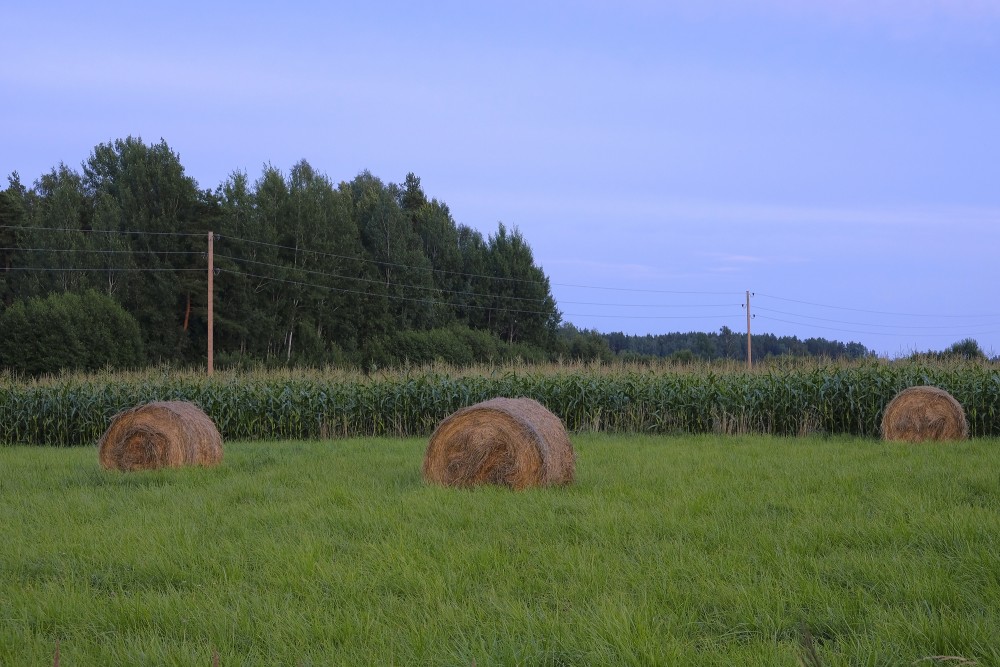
(514, 442)
(162, 434)
(924, 413)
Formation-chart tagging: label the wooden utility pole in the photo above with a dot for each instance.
(211, 305)
(749, 359)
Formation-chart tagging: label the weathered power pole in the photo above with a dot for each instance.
(749, 358)
(211, 305)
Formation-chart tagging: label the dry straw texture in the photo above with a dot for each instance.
(513, 442)
(160, 435)
(924, 413)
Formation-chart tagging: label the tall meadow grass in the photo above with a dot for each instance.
(693, 550)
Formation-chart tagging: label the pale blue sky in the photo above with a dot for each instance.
(837, 158)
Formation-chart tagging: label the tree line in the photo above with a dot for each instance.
(308, 271)
(107, 266)
(728, 344)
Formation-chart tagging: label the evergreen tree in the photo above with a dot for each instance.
(522, 308)
(472, 301)
(432, 222)
(12, 215)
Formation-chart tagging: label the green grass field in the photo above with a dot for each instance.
(694, 550)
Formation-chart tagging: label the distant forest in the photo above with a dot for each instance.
(108, 267)
(727, 344)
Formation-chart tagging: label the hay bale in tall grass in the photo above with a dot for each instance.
(924, 413)
(514, 442)
(162, 434)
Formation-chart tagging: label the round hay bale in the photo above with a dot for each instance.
(162, 434)
(924, 413)
(514, 442)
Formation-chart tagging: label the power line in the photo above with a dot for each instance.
(99, 269)
(655, 317)
(467, 293)
(102, 231)
(867, 324)
(368, 280)
(867, 333)
(654, 305)
(883, 330)
(647, 291)
(372, 280)
(434, 302)
(379, 262)
(428, 301)
(873, 312)
(895, 329)
(469, 275)
(111, 252)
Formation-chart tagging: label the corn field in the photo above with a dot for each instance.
(775, 399)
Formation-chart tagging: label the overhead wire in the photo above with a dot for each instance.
(109, 252)
(874, 312)
(967, 328)
(242, 260)
(469, 275)
(364, 280)
(868, 333)
(103, 231)
(363, 260)
(894, 329)
(431, 301)
(378, 262)
(395, 297)
(302, 283)
(757, 309)
(102, 269)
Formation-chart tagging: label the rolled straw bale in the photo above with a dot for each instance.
(162, 434)
(513, 442)
(924, 413)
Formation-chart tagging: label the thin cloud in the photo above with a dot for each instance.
(904, 20)
(728, 263)
(889, 11)
(857, 12)
(736, 259)
(897, 216)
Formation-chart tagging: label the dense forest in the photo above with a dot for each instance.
(108, 266)
(307, 271)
